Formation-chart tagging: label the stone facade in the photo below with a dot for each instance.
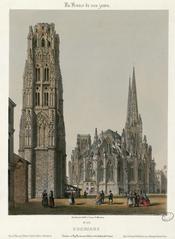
(11, 131)
(98, 166)
(20, 180)
(42, 130)
(120, 163)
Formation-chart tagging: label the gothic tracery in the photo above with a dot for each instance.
(42, 130)
(124, 161)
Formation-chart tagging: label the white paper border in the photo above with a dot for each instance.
(58, 225)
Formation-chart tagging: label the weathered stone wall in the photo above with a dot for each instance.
(45, 171)
(20, 180)
(11, 152)
(28, 157)
(41, 165)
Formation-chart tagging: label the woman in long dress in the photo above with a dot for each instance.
(98, 199)
(51, 199)
(44, 199)
(130, 202)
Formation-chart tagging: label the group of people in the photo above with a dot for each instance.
(48, 200)
(136, 200)
(133, 199)
(101, 197)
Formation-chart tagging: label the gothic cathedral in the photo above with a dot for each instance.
(42, 130)
(121, 163)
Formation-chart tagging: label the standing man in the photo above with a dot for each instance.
(102, 196)
(110, 197)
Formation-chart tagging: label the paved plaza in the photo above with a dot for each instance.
(87, 206)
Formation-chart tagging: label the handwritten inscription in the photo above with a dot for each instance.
(86, 5)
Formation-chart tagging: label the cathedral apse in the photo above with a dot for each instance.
(112, 161)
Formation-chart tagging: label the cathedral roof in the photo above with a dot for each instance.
(112, 134)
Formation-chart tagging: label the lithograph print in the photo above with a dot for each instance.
(88, 108)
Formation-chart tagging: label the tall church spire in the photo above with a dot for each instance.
(134, 106)
(96, 135)
(129, 103)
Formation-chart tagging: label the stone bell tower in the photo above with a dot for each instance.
(133, 136)
(42, 130)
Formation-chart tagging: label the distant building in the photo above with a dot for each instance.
(161, 181)
(17, 167)
(120, 163)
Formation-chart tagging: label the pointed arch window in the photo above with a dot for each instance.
(27, 135)
(100, 171)
(37, 71)
(131, 173)
(109, 172)
(81, 171)
(52, 97)
(24, 97)
(140, 172)
(27, 98)
(46, 74)
(43, 42)
(37, 97)
(42, 131)
(46, 97)
(90, 171)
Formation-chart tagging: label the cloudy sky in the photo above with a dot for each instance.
(97, 52)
